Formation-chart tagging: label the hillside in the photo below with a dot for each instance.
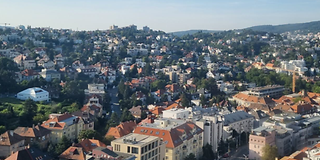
(304, 27)
(181, 33)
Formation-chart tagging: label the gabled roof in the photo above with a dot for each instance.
(122, 129)
(9, 138)
(29, 154)
(157, 110)
(37, 131)
(173, 137)
(89, 144)
(73, 153)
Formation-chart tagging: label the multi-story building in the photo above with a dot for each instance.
(10, 143)
(35, 135)
(66, 125)
(143, 147)
(212, 126)
(181, 137)
(35, 93)
(273, 91)
(258, 139)
(176, 113)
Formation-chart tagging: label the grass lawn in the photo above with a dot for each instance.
(18, 105)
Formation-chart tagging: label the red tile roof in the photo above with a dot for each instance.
(122, 129)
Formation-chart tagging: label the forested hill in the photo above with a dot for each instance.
(182, 33)
(304, 27)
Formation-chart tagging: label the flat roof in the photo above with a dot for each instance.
(135, 139)
(257, 89)
(171, 123)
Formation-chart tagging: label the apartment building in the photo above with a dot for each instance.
(181, 137)
(143, 147)
(66, 125)
(273, 91)
(258, 139)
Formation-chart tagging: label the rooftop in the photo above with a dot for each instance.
(135, 139)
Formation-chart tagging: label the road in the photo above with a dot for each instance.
(239, 153)
(114, 100)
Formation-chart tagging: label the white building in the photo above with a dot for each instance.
(35, 93)
(295, 65)
(97, 89)
(176, 113)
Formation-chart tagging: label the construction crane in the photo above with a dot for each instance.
(293, 78)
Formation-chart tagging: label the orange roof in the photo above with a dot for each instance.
(89, 144)
(269, 65)
(122, 129)
(174, 105)
(170, 137)
(302, 108)
(157, 110)
(56, 122)
(73, 153)
(253, 99)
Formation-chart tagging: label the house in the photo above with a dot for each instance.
(68, 72)
(25, 62)
(73, 153)
(174, 89)
(35, 93)
(90, 71)
(122, 129)
(136, 111)
(105, 153)
(59, 60)
(10, 142)
(88, 145)
(95, 89)
(49, 75)
(66, 125)
(27, 74)
(45, 63)
(34, 135)
(29, 154)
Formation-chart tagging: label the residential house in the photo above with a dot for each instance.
(73, 153)
(136, 111)
(29, 154)
(49, 75)
(59, 60)
(10, 142)
(34, 135)
(66, 125)
(25, 62)
(27, 74)
(46, 63)
(95, 89)
(122, 129)
(90, 71)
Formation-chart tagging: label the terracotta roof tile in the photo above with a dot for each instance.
(73, 153)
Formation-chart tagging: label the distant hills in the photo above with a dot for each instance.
(181, 33)
(304, 27)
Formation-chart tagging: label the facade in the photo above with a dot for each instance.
(49, 75)
(10, 143)
(35, 135)
(272, 91)
(97, 89)
(258, 139)
(181, 137)
(143, 147)
(35, 93)
(66, 125)
(175, 113)
(212, 127)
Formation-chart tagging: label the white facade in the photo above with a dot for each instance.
(176, 113)
(35, 93)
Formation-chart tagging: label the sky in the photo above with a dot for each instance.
(165, 15)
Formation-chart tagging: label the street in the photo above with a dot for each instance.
(239, 153)
(114, 100)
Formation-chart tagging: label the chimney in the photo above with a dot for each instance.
(32, 126)
(11, 133)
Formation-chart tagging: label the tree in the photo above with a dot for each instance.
(191, 156)
(269, 152)
(63, 144)
(185, 101)
(203, 100)
(207, 152)
(126, 115)
(89, 134)
(2, 129)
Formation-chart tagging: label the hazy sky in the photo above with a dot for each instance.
(166, 15)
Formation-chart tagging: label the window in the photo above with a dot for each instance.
(152, 145)
(156, 145)
(128, 149)
(149, 147)
(142, 151)
(149, 155)
(134, 150)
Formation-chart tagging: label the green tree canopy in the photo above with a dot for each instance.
(269, 152)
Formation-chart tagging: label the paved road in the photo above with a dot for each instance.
(114, 100)
(240, 152)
